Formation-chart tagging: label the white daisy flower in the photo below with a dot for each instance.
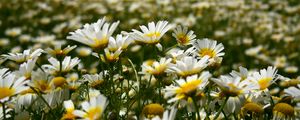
(183, 36)
(67, 65)
(189, 66)
(95, 79)
(92, 109)
(243, 73)
(69, 107)
(177, 54)
(84, 51)
(41, 81)
(152, 34)
(235, 89)
(207, 47)
(120, 42)
(26, 68)
(10, 85)
(111, 56)
(156, 67)
(25, 99)
(95, 35)
(57, 51)
(293, 91)
(13, 32)
(22, 57)
(264, 78)
(233, 86)
(187, 88)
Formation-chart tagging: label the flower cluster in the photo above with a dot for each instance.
(149, 60)
(119, 80)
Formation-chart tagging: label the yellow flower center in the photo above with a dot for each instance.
(233, 90)
(153, 110)
(94, 113)
(284, 108)
(189, 87)
(6, 92)
(264, 82)
(207, 51)
(159, 70)
(96, 83)
(100, 43)
(189, 72)
(153, 34)
(42, 85)
(29, 90)
(59, 81)
(68, 116)
(183, 39)
(253, 107)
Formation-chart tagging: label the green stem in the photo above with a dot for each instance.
(43, 99)
(197, 108)
(4, 111)
(221, 108)
(135, 72)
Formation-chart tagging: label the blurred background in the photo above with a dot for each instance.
(255, 33)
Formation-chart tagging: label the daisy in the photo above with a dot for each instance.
(95, 79)
(253, 109)
(283, 111)
(22, 57)
(187, 88)
(120, 42)
(13, 32)
(57, 51)
(67, 65)
(84, 51)
(189, 66)
(26, 68)
(73, 81)
(156, 68)
(10, 85)
(177, 54)
(95, 35)
(152, 110)
(183, 36)
(232, 86)
(243, 73)
(69, 107)
(25, 99)
(152, 34)
(92, 109)
(234, 89)
(111, 56)
(264, 78)
(41, 81)
(293, 91)
(207, 47)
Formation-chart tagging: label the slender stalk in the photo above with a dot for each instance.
(135, 72)
(4, 111)
(43, 99)
(197, 108)
(221, 108)
(40, 67)
(235, 117)
(139, 85)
